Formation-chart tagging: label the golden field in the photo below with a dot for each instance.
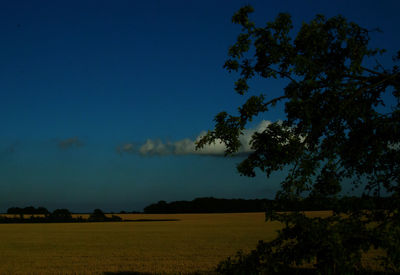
(197, 242)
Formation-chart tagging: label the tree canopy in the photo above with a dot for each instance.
(338, 130)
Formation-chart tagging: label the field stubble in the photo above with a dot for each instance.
(197, 242)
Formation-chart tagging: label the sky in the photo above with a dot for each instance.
(101, 101)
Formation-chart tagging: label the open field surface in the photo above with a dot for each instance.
(195, 242)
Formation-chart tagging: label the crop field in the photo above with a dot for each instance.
(192, 243)
(196, 242)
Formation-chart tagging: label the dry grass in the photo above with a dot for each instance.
(195, 242)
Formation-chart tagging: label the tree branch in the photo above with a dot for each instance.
(371, 71)
(275, 100)
(284, 74)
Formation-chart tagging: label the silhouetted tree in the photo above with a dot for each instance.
(29, 210)
(43, 211)
(97, 215)
(61, 214)
(337, 130)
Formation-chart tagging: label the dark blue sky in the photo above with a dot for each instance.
(100, 101)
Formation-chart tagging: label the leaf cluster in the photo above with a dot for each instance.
(337, 130)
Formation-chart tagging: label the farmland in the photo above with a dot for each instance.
(196, 242)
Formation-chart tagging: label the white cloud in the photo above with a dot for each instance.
(156, 147)
(125, 148)
(184, 146)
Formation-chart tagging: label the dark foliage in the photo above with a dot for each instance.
(61, 215)
(338, 130)
(256, 262)
(97, 215)
(214, 205)
(58, 215)
(30, 210)
(208, 205)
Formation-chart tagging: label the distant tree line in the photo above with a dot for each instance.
(208, 205)
(215, 205)
(58, 215)
(30, 210)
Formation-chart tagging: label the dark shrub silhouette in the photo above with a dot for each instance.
(116, 218)
(61, 215)
(97, 215)
(58, 215)
(30, 210)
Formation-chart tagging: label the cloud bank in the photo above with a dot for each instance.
(156, 147)
(125, 148)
